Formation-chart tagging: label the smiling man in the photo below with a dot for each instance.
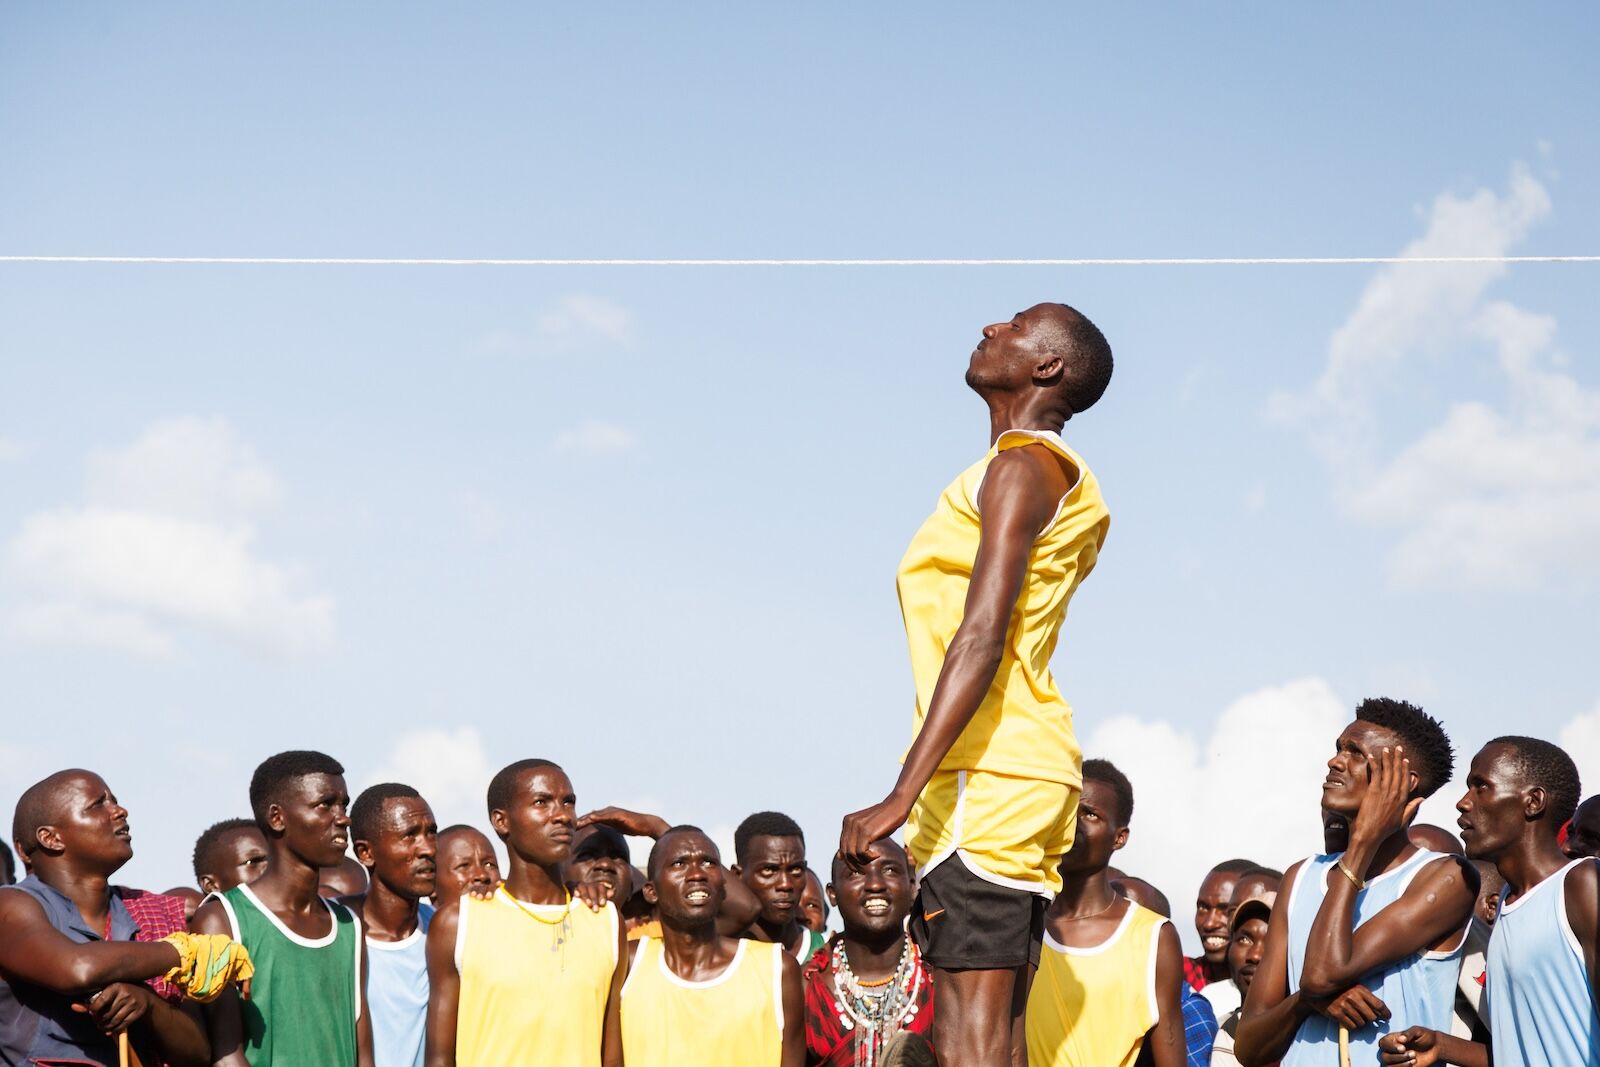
(466, 862)
(529, 975)
(1369, 939)
(869, 995)
(988, 789)
(1543, 961)
(396, 840)
(697, 997)
(307, 1004)
(1212, 911)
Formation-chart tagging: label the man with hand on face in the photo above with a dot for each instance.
(466, 863)
(395, 839)
(869, 996)
(1543, 961)
(73, 970)
(770, 853)
(529, 975)
(1368, 940)
(229, 853)
(697, 998)
(989, 785)
(1109, 978)
(307, 1004)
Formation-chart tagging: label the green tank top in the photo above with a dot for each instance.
(305, 996)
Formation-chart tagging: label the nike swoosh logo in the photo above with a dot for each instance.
(929, 916)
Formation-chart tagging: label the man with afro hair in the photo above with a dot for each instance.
(1368, 940)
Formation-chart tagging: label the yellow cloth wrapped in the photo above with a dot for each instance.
(208, 964)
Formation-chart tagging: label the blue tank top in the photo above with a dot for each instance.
(1420, 990)
(397, 995)
(1541, 1007)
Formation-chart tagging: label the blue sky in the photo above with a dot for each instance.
(646, 521)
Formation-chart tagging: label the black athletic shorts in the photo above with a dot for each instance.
(962, 922)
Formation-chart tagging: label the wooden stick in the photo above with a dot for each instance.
(123, 1051)
(1344, 1047)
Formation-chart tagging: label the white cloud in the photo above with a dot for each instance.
(1581, 739)
(448, 767)
(1250, 789)
(164, 537)
(1495, 495)
(576, 320)
(596, 437)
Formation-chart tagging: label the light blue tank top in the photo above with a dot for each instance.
(1419, 990)
(1541, 1008)
(397, 995)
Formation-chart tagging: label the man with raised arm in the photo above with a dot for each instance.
(697, 996)
(307, 1003)
(529, 975)
(1370, 939)
(1542, 978)
(989, 786)
(74, 957)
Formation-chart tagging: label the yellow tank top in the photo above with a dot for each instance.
(534, 982)
(732, 1020)
(1091, 1007)
(1024, 726)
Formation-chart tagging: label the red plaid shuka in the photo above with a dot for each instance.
(157, 916)
(1194, 972)
(828, 1043)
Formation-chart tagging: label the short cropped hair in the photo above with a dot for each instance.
(276, 772)
(655, 849)
(504, 784)
(207, 841)
(1106, 773)
(1239, 867)
(1426, 744)
(1086, 355)
(368, 808)
(1550, 768)
(764, 824)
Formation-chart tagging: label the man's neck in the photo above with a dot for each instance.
(1529, 862)
(534, 883)
(290, 883)
(693, 953)
(90, 891)
(1388, 854)
(1084, 895)
(1030, 411)
(787, 933)
(874, 956)
(388, 915)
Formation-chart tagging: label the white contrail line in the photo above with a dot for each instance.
(1213, 261)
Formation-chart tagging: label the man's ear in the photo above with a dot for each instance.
(736, 871)
(276, 822)
(363, 853)
(1049, 369)
(1120, 840)
(500, 823)
(1535, 801)
(833, 898)
(208, 884)
(650, 895)
(49, 839)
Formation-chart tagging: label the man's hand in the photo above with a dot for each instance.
(117, 1006)
(1356, 1007)
(863, 827)
(632, 823)
(1417, 1046)
(591, 893)
(1385, 806)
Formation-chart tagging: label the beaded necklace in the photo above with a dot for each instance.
(559, 944)
(875, 1011)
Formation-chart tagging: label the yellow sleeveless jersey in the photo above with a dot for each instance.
(1091, 1007)
(732, 1020)
(1023, 728)
(534, 982)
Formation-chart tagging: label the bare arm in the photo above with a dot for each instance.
(1434, 908)
(611, 1031)
(1272, 1015)
(1021, 491)
(1583, 913)
(35, 952)
(224, 1026)
(177, 1029)
(364, 1056)
(1421, 1047)
(1168, 1043)
(794, 1014)
(444, 988)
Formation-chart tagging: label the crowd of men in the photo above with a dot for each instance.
(362, 933)
(333, 934)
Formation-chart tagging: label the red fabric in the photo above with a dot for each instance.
(157, 916)
(1194, 972)
(828, 1043)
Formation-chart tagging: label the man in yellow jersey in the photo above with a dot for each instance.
(1110, 976)
(529, 975)
(698, 998)
(989, 786)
